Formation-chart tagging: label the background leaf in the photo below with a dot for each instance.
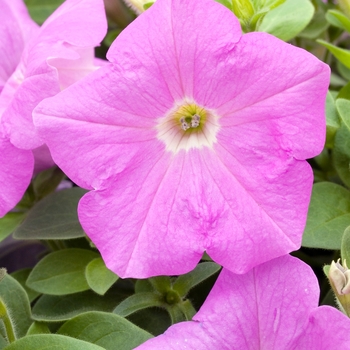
(39, 10)
(106, 330)
(52, 342)
(138, 302)
(185, 283)
(9, 222)
(329, 215)
(17, 303)
(345, 246)
(99, 277)
(341, 150)
(287, 20)
(21, 276)
(54, 217)
(52, 308)
(61, 272)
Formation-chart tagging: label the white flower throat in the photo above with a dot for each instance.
(187, 126)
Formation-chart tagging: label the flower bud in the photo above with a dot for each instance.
(340, 275)
(339, 278)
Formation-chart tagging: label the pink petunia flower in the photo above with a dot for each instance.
(16, 165)
(37, 63)
(272, 307)
(192, 140)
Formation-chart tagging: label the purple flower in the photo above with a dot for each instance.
(37, 63)
(194, 139)
(272, 307)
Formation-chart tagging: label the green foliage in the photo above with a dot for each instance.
(52, 342)
(38, 328)
(342, 55)
(52, 308)
(9, 222)
(107, 330)
(287, 20)
(47, 181)
(138, 302)
(98, 277)
(17, 306)
(21, 277)
(332, 120)
(329, 215)
(39, 10)
(341, 150)
(185, 283)
(345, 246)
(61, 272)
(338, 19)
(54, 217)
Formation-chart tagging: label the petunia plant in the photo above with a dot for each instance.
(155, 176)
(191, 147)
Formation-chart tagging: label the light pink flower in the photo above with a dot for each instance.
(60, 53)
(234, 183)
(16, 165)
(37, 63)
(272, 307)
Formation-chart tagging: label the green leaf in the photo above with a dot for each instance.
(143, 286)
(40, 10)
(61, 272)
(21, 276)
(99, 278)
(9, 222)
(328, 216)
(47, 181)
(3, 343)
(161, 284)
(338, 19)
(227, 3)
(54, 217)
(287, 20)
(344, 71)
(317, 25)
(341, 54)
(106, 330)
(50, 308)
(147, 5)
(17, 304)
(185, 283)
(111, 36)
(52, 342)
(154, 320)
(344, 92)
(341, 150)
(138, 302)
(345, 245)
(38, 328)
(332, 120)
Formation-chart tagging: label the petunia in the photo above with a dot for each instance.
(272, 307)
(60, 53)
(16, 168)
(194, 139)
(37, 63)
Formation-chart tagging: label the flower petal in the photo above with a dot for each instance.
(35, 78)
(267, 308)
(15, 174)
